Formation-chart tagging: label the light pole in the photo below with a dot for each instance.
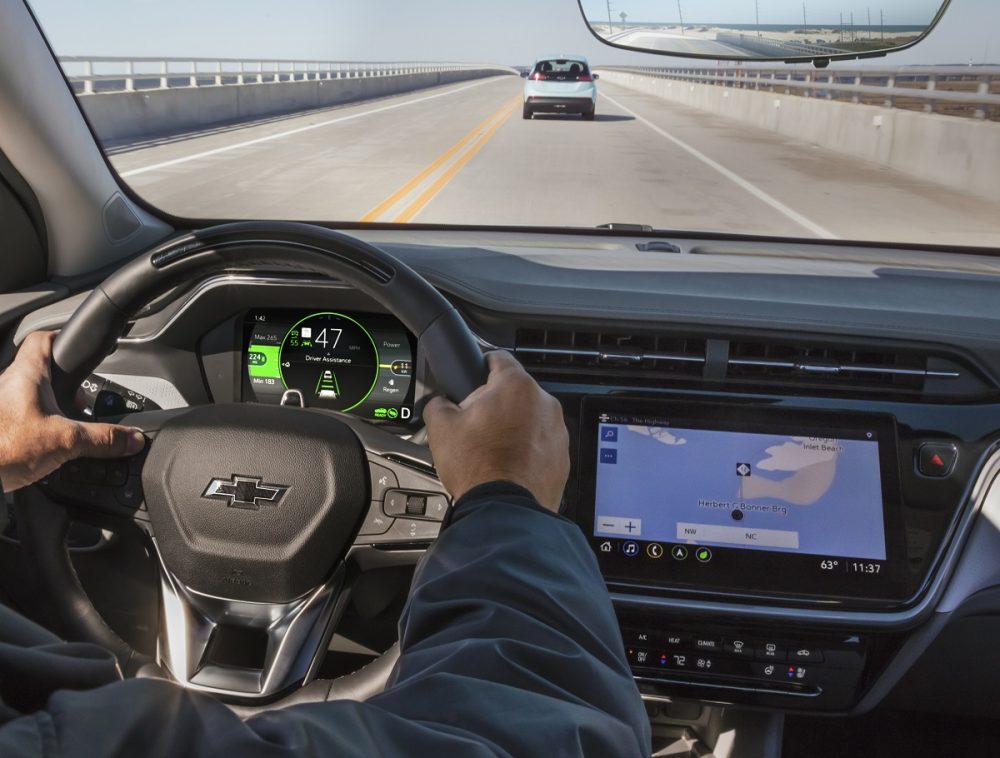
(611, 28)
(680, 15)
(804, 24)
(869, 23)
(756, 7)
(881, 22)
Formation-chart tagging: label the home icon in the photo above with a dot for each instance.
(606, 547)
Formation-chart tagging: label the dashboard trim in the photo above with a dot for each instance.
(223, 281)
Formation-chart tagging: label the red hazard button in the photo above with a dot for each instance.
(936, 459)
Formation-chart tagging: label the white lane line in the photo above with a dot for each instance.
(753, 189)
(299, 130)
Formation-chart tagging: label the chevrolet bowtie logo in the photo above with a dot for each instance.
(247, 492)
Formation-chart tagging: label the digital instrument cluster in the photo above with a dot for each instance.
(359, 363)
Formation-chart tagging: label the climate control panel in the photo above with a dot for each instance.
(751, 666)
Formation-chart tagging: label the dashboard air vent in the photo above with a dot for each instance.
(829, 366)
(614, 356)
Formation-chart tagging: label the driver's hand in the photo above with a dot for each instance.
(35, 438)
(507, 429)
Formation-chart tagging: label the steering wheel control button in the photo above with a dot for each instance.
(770, 651)
(412, 530)
(375, 522)
(383, 479)
(416, 505)
(117, 473)
(437, 507)
(136, 462)
(394, 503)
(130, 495)
(936, 459)
(703, 554)
(679, 552)
(85, 471)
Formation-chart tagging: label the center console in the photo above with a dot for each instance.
(808, 525)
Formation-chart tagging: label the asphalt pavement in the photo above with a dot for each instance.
(462, 154)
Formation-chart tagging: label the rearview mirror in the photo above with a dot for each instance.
(763, 30)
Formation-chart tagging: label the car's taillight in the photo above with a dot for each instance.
(584, 78)
(539, 77)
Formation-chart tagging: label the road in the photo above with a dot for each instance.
(462, 154)
(676, 42)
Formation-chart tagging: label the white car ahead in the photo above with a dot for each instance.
(560, 84)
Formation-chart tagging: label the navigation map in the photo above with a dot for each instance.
(812, 495)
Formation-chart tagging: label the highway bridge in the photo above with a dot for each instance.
(461, 153)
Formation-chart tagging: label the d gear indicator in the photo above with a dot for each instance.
(351, 362)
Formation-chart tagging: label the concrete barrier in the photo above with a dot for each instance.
(960, 153)
(121, 116)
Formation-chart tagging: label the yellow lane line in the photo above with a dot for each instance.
(427, 195)
(399, 194)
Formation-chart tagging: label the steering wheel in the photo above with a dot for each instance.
(252, 509)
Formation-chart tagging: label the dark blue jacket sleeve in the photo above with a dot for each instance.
(509, 648)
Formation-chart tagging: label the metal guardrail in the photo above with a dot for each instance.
(969, 91)
(92, 74)
(770, 46)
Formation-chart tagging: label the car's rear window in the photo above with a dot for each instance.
(560, 68)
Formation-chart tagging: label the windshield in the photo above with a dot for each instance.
(515, 114)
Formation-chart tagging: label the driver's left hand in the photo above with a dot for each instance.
(35, 437)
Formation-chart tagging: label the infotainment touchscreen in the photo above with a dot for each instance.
(766, 500)
(783, 492)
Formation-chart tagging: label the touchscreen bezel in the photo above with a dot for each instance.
(751, 574)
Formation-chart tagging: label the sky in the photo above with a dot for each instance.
(509, 32)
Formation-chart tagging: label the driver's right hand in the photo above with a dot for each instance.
(509, 429)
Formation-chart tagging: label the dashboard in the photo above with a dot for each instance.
(784, 464)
